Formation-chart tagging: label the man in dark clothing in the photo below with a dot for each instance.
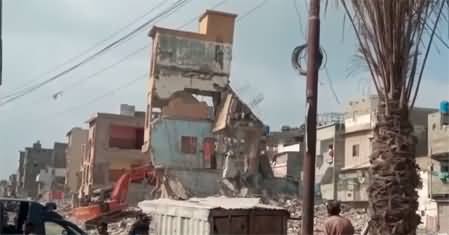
(102, 228)
(28, 228)
(141, 226)
(336, 224)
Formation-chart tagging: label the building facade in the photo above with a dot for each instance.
(191, 105)
(360, 120)
(438, 135)
(20, 173)
(114, 145)
(330, 149)
(35, 159)
(76, 145)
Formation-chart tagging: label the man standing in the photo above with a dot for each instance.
(141, 226)
(336, 224)
(28, 228)
(102, 228)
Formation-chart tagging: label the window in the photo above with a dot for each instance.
(61, 228)
(54, 229)
(355, 150)
(444, 168)
(189, 144)
(209, 153)
(125, 137)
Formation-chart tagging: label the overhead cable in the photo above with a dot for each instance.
(91, 48)
(26, 91)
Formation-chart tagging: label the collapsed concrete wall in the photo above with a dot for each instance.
(184, 133)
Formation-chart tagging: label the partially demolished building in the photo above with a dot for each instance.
(193, 116)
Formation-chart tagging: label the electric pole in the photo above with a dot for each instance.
(313, 53)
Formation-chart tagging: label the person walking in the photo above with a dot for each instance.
(28, 228)
(336, 224)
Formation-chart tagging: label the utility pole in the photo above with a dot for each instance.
(313, 51)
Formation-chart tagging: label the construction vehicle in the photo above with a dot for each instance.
(111, 204)
(15, 213)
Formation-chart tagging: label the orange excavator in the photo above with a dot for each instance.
(106, 209)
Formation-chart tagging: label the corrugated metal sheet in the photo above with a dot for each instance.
(177, 225)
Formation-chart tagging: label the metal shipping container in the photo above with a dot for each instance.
(215, 216)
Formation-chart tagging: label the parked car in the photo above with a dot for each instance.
(15, 213)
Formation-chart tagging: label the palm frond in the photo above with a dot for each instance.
(394, 39)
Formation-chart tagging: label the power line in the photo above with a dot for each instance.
(298, 13)
(252, 10)
(331, 86)
(91, 48)
(193, 19)
(91, 76)
(61, 92)
(167, 11)
(140, 49)
(104, 69)
(100, 97)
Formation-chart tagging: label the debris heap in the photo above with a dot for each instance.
(357, 216)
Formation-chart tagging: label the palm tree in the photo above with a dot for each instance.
(394, 38)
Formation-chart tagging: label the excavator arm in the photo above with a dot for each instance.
(117, 202)
(138, 174)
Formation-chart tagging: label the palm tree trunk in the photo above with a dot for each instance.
(393, 174)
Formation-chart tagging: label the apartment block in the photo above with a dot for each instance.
(360, 120)
(114, 145)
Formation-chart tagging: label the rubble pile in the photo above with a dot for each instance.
(64, 208)
(357, 216)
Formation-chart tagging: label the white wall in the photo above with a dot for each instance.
(47, 176)
(427, 207)
(288, 148)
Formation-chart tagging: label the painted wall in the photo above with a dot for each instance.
(352, 185)
(101, 158)
(203, 182)
(36, 159)
(329, 135)
(288, 165)
(438, 135)
(77, 142)
(47, 176)
(427, 208)
(166, 142)
(58, 159)
(362, 139)
(181, 60)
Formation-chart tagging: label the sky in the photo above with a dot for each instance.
(39, 35)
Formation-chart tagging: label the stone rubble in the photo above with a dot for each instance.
(358, 217)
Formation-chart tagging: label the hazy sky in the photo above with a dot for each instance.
(40, 34)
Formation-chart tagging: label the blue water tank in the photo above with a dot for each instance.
(444, 107)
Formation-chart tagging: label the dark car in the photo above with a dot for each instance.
(14, 213)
